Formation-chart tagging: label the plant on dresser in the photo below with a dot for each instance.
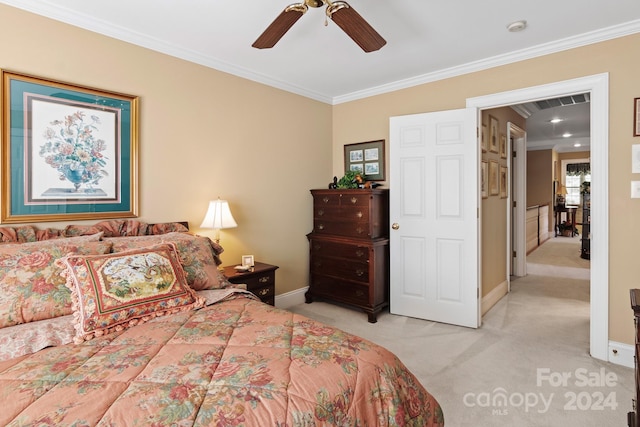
(349, 248)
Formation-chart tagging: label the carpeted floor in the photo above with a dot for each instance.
(531, 353)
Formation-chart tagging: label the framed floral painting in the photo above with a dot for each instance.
(68, 152)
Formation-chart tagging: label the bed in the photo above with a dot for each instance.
(211, 355)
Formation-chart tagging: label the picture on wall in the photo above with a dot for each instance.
(483, 138)
(493, 134)
(503, 182)
(503, 146)
(484, 176)
(69, 152)
(366, 158)
(494, 184)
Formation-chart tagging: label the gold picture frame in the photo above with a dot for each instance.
(69, 152)
(503, 146)
(484, 179)
(504, 182)
(483, 138)
(494, 179)
(493, 134)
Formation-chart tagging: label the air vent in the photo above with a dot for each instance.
(565, 100)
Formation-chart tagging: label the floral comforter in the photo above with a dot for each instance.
(234, 363)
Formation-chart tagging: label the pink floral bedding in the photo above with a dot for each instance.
(238, 362)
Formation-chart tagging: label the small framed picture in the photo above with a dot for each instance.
(485, 180)
(503, 146)
(636, 117)
(367, 158)
(493, 134)
(483, 138)
(503, 182)
(247, 261)
(494, 179)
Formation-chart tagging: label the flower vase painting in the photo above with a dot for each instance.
(70, 152)
(74, 148)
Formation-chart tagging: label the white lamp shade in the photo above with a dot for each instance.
(218, 216)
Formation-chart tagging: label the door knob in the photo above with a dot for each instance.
(395, 226)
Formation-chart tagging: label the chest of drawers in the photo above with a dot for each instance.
(349, 249)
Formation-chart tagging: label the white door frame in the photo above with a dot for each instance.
(598, 86)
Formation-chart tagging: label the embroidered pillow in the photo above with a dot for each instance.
(196, 256)
(114, 291)
(31, 285)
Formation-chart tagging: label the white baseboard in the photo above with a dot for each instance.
(292, 298)
(621, 354)
(494, 296)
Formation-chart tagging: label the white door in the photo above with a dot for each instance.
(434, 199)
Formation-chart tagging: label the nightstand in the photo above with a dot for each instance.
(261, 280)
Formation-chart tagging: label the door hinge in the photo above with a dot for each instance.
(514, 254)
(514, 154)
(514, 203)
(478, 292)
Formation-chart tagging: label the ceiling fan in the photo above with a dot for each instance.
(340, 12)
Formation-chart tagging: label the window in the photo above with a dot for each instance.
(576, 174)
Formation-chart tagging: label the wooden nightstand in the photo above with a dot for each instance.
(261, 280)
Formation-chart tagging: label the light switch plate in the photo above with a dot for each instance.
(635, 189)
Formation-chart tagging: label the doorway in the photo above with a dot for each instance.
(598, 88)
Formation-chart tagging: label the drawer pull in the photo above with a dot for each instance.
(264, 279)
(263, 292)
(359, 215)
(317, 247)
(320, 212)
(359, 253)
(359, 230)
(359, 293)
(354, 200)
(359, 273)
(325, 199)
(320, 226)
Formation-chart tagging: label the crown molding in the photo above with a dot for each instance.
(45, 8)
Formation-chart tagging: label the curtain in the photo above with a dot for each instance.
(574, 169)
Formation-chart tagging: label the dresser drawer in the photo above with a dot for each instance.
(335, 198)
(340, 250)
(355, 229)
(259, 281)
(348, 213)
(340, 290)
(341, 267)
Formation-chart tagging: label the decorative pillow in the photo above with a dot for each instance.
(31, 285)
(114, 291)
(196, 256)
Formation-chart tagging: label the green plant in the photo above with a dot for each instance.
(348, 180)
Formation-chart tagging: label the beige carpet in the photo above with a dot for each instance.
(539, 330)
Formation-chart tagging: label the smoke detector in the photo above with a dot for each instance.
(516, 26)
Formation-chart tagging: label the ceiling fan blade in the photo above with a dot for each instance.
(280, 26)
(355, 26)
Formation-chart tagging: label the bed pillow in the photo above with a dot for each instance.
(31, 285)
(196, 256)
(118, 290)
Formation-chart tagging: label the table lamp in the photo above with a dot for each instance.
(218, 217)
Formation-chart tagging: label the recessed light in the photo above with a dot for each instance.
(566, 135)
(555, 121)
(577, 144)
(516, 26)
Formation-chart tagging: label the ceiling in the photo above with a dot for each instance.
(426, 40)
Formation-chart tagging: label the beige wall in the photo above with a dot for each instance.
(203, 134)
(540, 180)
(367, 119)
